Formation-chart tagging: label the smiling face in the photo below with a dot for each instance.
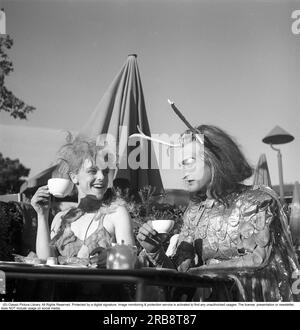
(91, 180)
(196, 173)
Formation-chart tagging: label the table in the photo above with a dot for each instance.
(139, 277)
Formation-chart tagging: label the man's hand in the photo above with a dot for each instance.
(148, 237)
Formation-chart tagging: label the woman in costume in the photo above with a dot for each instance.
(231, 231)
(81, 233)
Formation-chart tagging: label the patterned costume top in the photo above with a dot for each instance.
(221, 233)
(251, 232)
(69, 245)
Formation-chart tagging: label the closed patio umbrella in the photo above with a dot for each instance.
(261, 173)
(123, 106)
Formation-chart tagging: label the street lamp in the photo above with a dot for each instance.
(2, 22)
(278, 136)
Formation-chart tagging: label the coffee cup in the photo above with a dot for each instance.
(60, 187)
(163, 226)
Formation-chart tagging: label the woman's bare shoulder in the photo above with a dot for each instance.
(119, 211)
(56, 222)
(113, 207)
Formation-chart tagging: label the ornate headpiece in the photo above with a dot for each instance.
(194, 132)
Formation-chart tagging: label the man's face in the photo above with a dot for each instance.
(196, 173)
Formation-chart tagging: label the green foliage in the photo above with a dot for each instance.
(8, 101)
(11, 172)
(148, 208)
(11, 224)
(5, 63)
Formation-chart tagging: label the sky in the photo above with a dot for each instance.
(233, 64)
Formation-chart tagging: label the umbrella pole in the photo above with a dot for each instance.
(279, 159)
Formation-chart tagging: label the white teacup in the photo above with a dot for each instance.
(163, 226)
(60, 187)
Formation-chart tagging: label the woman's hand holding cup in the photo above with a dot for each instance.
(41, 200)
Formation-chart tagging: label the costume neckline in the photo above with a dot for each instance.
(100, 227)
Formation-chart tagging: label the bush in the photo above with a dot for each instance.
(11, 225)
(146, 207)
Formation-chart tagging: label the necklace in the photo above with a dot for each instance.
(84, 250)
(88, 227)
(193, 217)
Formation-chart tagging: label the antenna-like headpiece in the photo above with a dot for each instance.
(144, 136)
(196, 132)
(189, 126)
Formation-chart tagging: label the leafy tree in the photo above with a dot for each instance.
(8, 101)
(11, 172)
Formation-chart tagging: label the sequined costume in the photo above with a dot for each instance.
(69, 245)
(247, 241)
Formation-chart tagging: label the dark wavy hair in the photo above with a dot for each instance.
(228, 165)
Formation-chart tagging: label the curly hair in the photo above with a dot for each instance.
(227, 163)
(72, 155)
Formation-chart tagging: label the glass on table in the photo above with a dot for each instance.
(121, 256)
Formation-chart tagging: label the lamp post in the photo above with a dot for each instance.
(2, 22)
(2, 34)
(278, 136)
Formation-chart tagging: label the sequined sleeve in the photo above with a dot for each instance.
(254, 244)
(254, 231)
(266, 263)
